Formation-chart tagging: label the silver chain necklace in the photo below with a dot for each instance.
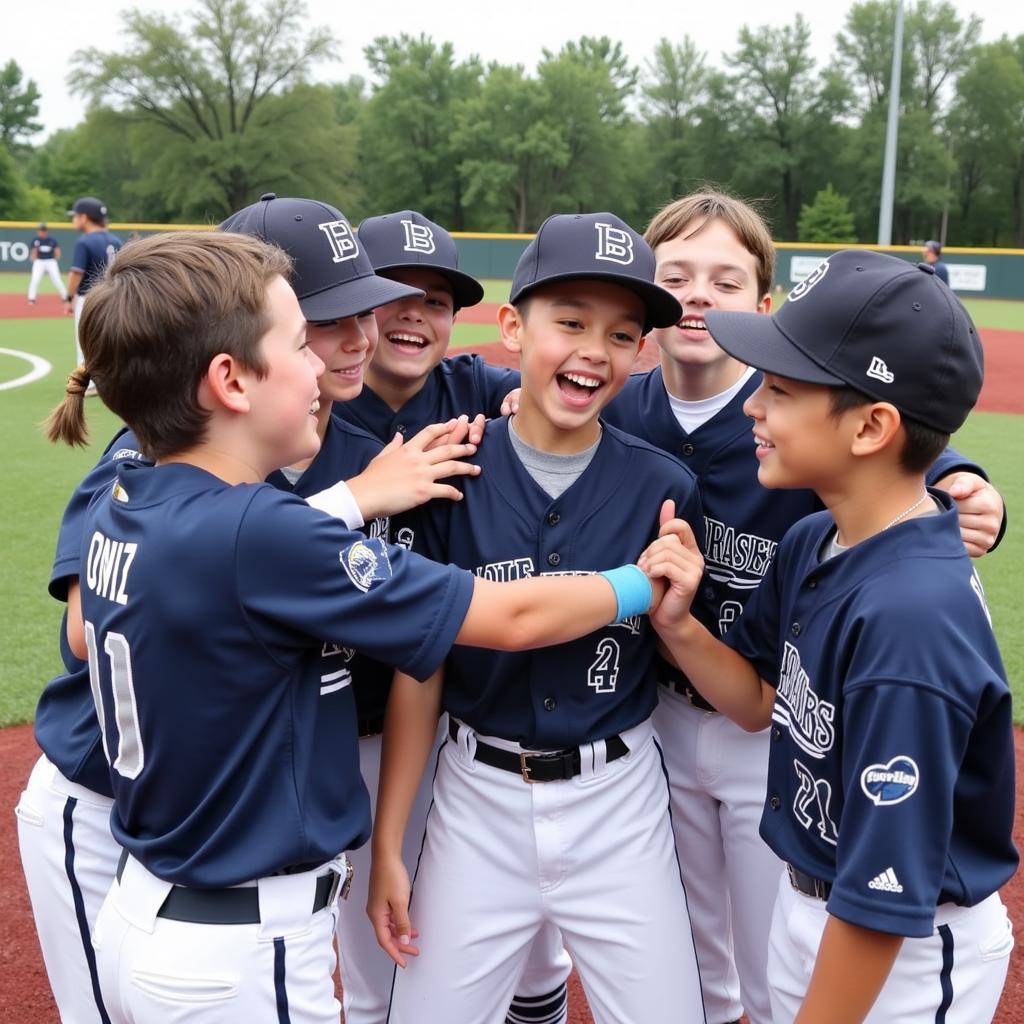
(903, 515)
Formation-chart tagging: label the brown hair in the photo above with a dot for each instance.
(750, 228)
(165, 307)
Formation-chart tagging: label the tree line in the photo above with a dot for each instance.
(196, 118)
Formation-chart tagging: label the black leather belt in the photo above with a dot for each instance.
(678, 683)
(372, 725)
(808, 884)
(549, 767)
(237, 906)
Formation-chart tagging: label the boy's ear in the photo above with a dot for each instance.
(879, 423)
(224, 385)
(510, 323)
(765, 305)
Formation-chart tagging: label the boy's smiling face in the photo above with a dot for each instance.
(577, 342)
(414, 332)
(346, 347)
(800, 443)
(708, 267)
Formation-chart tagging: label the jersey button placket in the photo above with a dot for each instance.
(775, 803)
(554, 558)
(687, 449)
(553, 518)
(795, 629)
(550, 703)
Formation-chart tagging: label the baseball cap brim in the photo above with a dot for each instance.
(757, 340)
(661, 308)
(466, 290)
(350, 298)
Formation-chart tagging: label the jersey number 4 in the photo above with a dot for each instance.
(130, 757)
(604, 672)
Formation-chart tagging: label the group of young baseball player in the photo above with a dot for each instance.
(713, 714)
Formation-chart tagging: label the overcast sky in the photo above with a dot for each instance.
(42, 36)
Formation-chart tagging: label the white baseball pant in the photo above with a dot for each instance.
(366, 970)
(154, 970)
(79, 302)
(960, 967)
(717, 776)
(593, 855)
(69, 858)
(39, 268)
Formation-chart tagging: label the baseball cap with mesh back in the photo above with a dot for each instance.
(95, 209)
(876, 323)
(333, 277)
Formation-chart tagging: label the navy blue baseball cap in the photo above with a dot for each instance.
(396, 241)
(95, 209)
(600, 246)
(876, 323)
(332, 277)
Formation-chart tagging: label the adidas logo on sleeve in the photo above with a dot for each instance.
(886, 882)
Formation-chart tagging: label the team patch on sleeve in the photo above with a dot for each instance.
(366, 563)
(891, 783)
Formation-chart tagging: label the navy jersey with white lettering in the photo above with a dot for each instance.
(891, 772)
(65, 724)
(462, 384)
(743, 520)
(93, 251)
(45, 247)
(345, 452)
(506, 527)
(206, 610)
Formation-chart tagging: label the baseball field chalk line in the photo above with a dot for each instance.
(40, 368)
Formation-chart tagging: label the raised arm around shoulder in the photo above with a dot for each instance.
(537, 612)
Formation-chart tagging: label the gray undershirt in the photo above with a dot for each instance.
(831, 546)
(554, 474)
(292, 475)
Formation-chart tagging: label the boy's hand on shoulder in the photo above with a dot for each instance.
(387, 906)
(510, 403)
(981, 510)
(408, 473)
(465, 431)
(675, 560)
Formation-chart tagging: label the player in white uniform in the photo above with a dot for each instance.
(45, 257)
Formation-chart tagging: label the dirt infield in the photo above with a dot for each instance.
(25, 996)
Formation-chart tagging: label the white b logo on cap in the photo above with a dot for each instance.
(808, 282)
(343, 243)
(418, 237)
(614, 245)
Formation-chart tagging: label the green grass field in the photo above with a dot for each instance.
(39, 477)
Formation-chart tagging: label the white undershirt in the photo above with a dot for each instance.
(692, 415)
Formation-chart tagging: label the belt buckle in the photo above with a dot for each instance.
(525, 769)
(345, 884)
(341, 883)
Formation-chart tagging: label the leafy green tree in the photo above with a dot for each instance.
(827, 219)
(217, 100)
(603, 55)
(406, 152)
(786, 112)
(12, 188)
(673, 89)
(19, 106)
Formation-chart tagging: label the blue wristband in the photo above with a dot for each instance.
(633, 591)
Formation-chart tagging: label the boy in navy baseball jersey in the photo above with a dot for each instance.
(715, 252)
(410, 382)
(68, 853)
(550, 802)
(45, 258)
(206, 599)
(869, 651)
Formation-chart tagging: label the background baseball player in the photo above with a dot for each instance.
(234, 832)
(45, 257)
(502, 857)
(890, 782)
(715, 252)
(93, 251)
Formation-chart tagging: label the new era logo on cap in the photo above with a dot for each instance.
(873, 322)
(564, 248)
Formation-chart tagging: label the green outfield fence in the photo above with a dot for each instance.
(988, 273)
